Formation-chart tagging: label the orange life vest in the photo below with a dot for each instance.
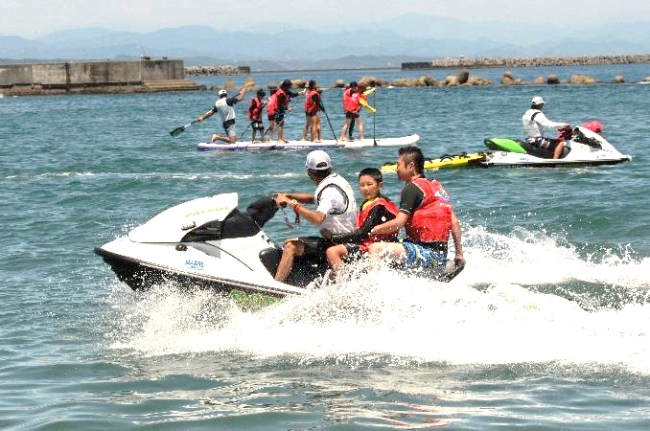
(366, 208)
(311, 107)
(351, 101)
(255, 109)
(431, 221)
(272, 105)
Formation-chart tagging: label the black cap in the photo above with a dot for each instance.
(353, 83)
(261, 93)
(285, 84)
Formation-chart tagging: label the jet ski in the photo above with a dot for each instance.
(582, 146)
(209, 243)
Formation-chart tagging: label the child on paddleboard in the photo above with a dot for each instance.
(375, 209)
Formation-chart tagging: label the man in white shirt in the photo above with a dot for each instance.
(336, 211)
(534, 121)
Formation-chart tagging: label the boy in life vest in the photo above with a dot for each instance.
(271, 110)
(313, 106)
(375, 209)
(351, 107)
(255, 109)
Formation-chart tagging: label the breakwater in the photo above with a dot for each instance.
(217, 70)
(146, 75)
(485, 62)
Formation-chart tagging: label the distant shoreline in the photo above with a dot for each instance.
(505, 62)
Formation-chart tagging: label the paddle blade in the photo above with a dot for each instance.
(177, 131)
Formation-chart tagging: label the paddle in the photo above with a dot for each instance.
(249, 83)
(374, 136)
(177, 131)
(322, 107)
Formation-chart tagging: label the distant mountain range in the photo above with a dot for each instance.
(370, 45)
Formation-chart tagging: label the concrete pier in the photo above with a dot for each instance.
(146, 75)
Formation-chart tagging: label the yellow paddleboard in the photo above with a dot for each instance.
(446, 161)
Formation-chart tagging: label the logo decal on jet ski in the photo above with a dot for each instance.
(206, 211)
(196, 265)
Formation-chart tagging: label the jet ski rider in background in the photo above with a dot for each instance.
(534, 121)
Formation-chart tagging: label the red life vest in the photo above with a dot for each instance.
(311, 107)
(255, 109)
(350, 101)
(272, 105)
(366, 208)
(431, 221)
(286, 99)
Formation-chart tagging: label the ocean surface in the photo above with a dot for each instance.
(547, 328)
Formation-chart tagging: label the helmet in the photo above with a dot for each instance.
(285, 84)
(222, 92)
(537, 100)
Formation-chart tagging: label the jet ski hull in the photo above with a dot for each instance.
(584, 148)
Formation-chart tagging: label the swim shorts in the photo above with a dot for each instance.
(418, 255)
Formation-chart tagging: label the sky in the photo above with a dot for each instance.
(34, 18)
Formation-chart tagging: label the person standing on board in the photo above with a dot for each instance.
(426, 213)
(225, 107)
(534, 121)
(284, 96)
(313, 106)
(271, 110)
(336, 211)
(255, 109)
(351, 107)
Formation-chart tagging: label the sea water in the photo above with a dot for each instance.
(546, 328)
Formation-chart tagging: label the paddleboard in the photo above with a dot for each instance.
(300, 145)
(445, 161)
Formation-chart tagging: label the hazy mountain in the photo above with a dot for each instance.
(373, 44)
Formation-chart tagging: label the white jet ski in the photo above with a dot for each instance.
(209, 242)
(582, 147)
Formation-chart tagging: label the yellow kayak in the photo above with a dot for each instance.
(445, 161)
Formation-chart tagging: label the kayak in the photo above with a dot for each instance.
(446, 161)
(300, 145)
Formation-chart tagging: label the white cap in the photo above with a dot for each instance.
(222, 92)
(537, 100)
(318, 160)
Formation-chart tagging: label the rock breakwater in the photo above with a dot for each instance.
(483, 62)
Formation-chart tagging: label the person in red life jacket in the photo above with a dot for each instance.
(271, 110)
(225, 106)
(255, 109)
(351, 107)
(426, 213)
(313, 106)
(374, 210)
(284, 96)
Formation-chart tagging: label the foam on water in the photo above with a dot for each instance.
(521, 299)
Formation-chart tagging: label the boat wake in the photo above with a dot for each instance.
(523, 298)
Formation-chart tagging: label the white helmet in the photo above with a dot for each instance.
(537, 100)
(223, 92)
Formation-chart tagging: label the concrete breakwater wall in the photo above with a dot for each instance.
(484, 62)
(100, 76)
